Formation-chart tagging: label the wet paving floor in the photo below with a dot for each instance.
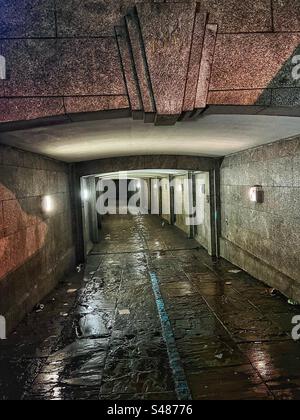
(100, 335)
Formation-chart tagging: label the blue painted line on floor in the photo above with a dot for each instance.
(182, 388)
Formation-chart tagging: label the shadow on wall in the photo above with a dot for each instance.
(21, 235)
(284, 88)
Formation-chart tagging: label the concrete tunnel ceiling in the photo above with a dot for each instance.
(211, 135)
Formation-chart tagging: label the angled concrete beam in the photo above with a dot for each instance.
(129, 70)
(137, 48)
(195, 60)
(206, 66)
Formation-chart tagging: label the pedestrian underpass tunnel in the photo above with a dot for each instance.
(150, 277)
(180, 198)
(149, 200)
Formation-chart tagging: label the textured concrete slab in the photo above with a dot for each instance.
(62, 67)
(234, 16)
(90, 18)
(240, 97)
(206, 66)
(27, 19)
(90, 67)
(286, 97)
(32, 66)
(77, 104)
(168, 60)
(14, 109)
(286, 15)
(266, 55)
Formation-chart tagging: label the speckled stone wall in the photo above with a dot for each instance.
(63, 56)
(264, 239)
(36, 246)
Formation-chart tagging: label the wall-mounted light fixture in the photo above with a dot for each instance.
(256, 194)
(47, 204)
(85, 195)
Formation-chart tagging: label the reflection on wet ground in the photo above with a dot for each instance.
(100, 337)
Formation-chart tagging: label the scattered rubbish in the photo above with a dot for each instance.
(228, 283)
(219, 356)
(234, 271)
(71, 290)
(273, 292)
(39, 308)
(64, 314)
(293, 302)
(79, 268)
(124, 311)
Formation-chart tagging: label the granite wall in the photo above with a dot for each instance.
(63, 57)
(36, 233)
(264, 239)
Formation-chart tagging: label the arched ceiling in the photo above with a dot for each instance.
(210, 135)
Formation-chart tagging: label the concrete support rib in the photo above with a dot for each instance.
(137, 48)
(129, 70)
(195, 60)
(206, 66)
(168, 60)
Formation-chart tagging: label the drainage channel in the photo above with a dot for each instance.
(181, 385)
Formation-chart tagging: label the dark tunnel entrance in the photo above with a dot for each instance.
(179, 198)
